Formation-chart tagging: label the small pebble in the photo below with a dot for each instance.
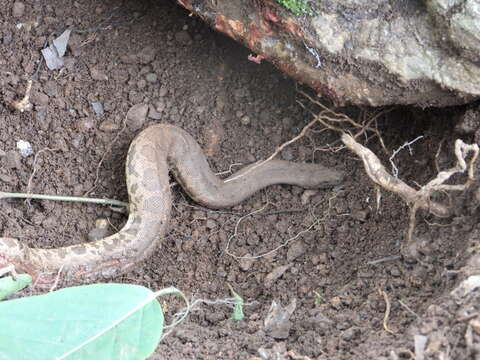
(151, 78)
(97, 108)
(163, 91)
(108, 126)
(40, 99)
(245, 120)
(18, 9)
(41, 117)
(98, 75)
(295, 250)
(336, 302)
(141, 84)
(211, 224)
(153, 113)
(136, 116)
(395, 272)
(147, 55)
(13, 160)
(360, 215)
(274, 275)
(100, 231)
(160, 105)
(246, 262)
(183, 38)
(351, 333)
(85, 124)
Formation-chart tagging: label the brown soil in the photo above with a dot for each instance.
(152, 52)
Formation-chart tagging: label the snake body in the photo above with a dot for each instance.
(152, 154)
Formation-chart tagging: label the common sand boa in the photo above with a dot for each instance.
(152, 154)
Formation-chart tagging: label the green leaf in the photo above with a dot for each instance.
(238, 307)
(99, 321)
(8, 286)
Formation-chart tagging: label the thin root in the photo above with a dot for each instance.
(387, 311)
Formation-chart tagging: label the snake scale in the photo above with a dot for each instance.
(152, 154)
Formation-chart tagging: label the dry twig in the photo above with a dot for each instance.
(387, 311)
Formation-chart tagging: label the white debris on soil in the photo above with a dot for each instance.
(53, 54)
(25, 148)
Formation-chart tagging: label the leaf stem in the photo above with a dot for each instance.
(7, 195)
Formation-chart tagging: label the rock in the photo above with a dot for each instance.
(395, 272)
(13, 160)
(100, 231)
(120, 76)
(6, 179)
(108, 126)
(318, 320)
(245, 120)
(153, 113)
(351, 333)
(98, 75)
(85, 124)
(136, 116)
(336, 302)
(7, 38)
(135, 96)
(183, 38)
(431, 58)
(274, 275)
(129, 59)
(42, 118)
(18, 9)
(360, 215)
(151, 78)
(51, 88)
(163, 91)
(211, 224)
(40, 99)
(246, 262)
(147, 55)
(141, 84)
(160, 105)
(295, 250)
(277, 322)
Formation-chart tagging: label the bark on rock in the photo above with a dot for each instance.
(365, 53)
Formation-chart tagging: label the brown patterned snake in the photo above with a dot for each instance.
(154, 152)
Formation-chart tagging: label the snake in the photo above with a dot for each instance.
(154, 153)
